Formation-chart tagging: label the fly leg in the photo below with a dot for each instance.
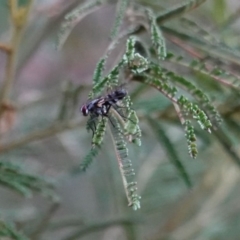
(115, 106)
(105, 115)
(106, 111)
(91, 124)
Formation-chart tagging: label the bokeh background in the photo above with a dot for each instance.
(94, 202)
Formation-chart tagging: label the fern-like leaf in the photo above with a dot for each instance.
(197, 113)
(134, 61)
(191, 139)
(74, 17)
(13, 177)
(121, 9)
(97, 141)
(109, 81)
(8, 231)
(87, 161)
(100, 132)
(199, 95)
(156, 36)
(99, 70)
(125, 165)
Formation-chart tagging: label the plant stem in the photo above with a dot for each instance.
(36, 234)
(9, 76)
(39, 135)
(19, 16)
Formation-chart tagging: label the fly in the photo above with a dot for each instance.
(102, 105)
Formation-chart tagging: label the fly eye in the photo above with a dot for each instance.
(84, 110)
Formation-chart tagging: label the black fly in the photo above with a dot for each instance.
(101, 106)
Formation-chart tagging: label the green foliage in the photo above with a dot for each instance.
(99, 71)
(132, 129)
(196, 113)
(163, 86)
(87, 161)
(129, 125)
(158, 41)
(73, 17)
(97, 141)
(197, 93)
(191, 139)
(134, 61)
(125, 165)
(100, 132)
(130, 48)
(194, 80)
(8, 231)
(12, 176)
(216, 73)
(219, 10)
(110, 80)
(145, 70)
(121, 10)
(196, 69)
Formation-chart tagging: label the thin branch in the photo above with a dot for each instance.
(120, 165)
(36, 234)
(66, 222)
(19, 18)
(40, 135)
(179, 113)
(169, 96)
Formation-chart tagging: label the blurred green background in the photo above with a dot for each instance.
(95, 202)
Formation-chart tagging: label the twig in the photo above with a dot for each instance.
(120, 164)
(66, 223)
(18, 18)
(169, 96)
(40, 135)
(179, 113)
(44, 222)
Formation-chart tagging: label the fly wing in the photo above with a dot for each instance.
(93, 105)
